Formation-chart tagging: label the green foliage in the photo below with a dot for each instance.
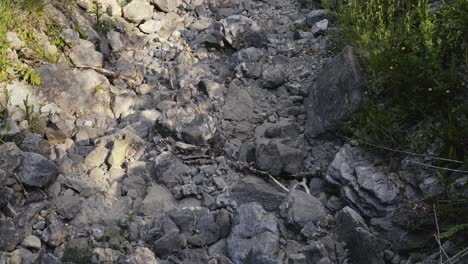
(453, 230)
(36, 123)
(112, 234)
(30, 75)
(416, 63)
(77, 255)
(5, 115)
(102, 24)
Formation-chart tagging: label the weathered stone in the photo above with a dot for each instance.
(96, 157)
(169, 168)
(255, 235)
(167, 5)
(171, 242)
(254, 189)
(159, 198)
(10, 236)
(32, 242)
(150, 26)
(138, 10)
(301, 208)
(242, 32)
(84, 54)
(143, 255)
(118, 153)
(10, 157)
(55, 233)
(238, 105)
(277, 158)
(273, 77)
(364, 246)
(335, 95)
(36, 170)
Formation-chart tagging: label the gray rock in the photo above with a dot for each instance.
(36, 170)
(118, 153)
(315, 16)
(68, 205)
(14, 40)
(254, 235)
(247, 153)
(172, 242)
(242, 32)
(273, 77)
(212, 89)
(363, 186)
(138, 10)
(254, 189)
(320, 27)
(32, 242)
(10, 235)
(167, 5)
(84, 54)
(10, 157)
(159, 198)
(35, 143)
(6, 195)
(200, 219)
(96, 157)
(55, 233)
(150, 26)
(277, 158)
(169, 169)
(250, 70)
(116, 40)
(364, 246)
(297, 259)
(70, 36)
(185, 124)
(238, 105)
(250, 54)
(335, 95)
(301, 208)
(143, 255)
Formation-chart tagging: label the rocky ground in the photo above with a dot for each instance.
(190, 134)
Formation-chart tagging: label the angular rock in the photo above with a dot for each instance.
(172, 242)
(32, 242)
(36, 170)
(315, 16)
(277, 158)
(138, 10)
(84, 54)
(335, 95)
(273, 77)
(150, 26)
(320, 27)
(96, 157)
(159, 198)
(10, 157)
(301, 208)
(118, 153)
(242, 32)
(238, 104)
(364, 246)
(55, 233)
(187, 125)
(68, 205)
(143, 255)
(212, 89)
(169, 169)
(167, 5)
(254, 189)
(10, 236)
(254, 235)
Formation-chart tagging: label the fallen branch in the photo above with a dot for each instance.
(436, 167)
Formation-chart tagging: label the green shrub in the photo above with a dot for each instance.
(416, 62)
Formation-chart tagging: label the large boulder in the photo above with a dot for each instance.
(254, 236)
(335, 95)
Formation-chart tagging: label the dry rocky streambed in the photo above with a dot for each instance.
(197, 132)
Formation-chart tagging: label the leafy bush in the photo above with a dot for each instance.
(416, 60)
